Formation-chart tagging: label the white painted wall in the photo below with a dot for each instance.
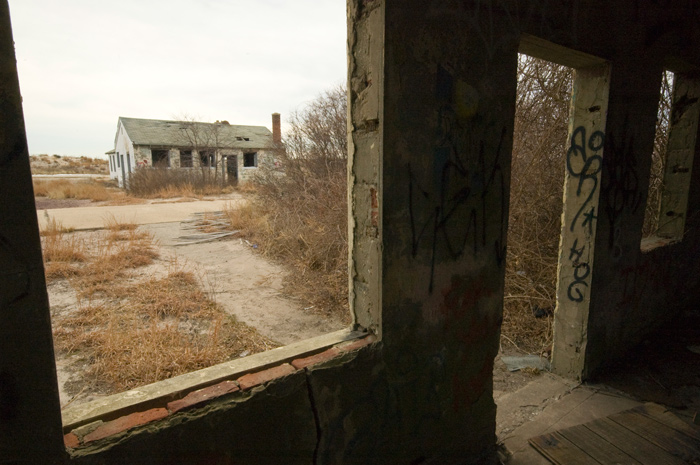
(123, 147)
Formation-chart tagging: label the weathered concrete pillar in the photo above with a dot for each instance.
(430, 121)
(365, 89)
(584, 163)
(30, 417)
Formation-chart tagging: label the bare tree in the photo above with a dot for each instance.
(304, 201)
(207, 140)
(658, 157)
(317, 135)
(537, 181)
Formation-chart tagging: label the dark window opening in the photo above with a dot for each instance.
(119, 165)
(186, 158)
(160, 158)
(250, 160)
(207, 158)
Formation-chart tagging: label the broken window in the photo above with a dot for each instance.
(658, 157)
(161, 158)
(250, 160)
(672, 159)
(207, 158)
(186, 158)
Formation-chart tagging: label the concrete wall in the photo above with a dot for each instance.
(431, 89)
(143, 155)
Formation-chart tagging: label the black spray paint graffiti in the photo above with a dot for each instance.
(455, 210)
(584, 163)
(621, 190)
(590, 166)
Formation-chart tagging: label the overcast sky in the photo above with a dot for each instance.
(84, 63)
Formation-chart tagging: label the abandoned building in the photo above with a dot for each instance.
(431, 88)
(231, 152)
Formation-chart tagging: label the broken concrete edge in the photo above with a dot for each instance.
(160, 393)
(651, 243)
(84, 433)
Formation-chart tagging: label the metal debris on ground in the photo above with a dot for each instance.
(210, 226)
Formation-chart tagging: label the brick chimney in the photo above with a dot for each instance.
(276, 129)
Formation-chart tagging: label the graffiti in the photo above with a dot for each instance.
(454, 214)
(581, 272)
(621, 191)
(458, 216)
(584, 164)
(590, 167)
(142, 164)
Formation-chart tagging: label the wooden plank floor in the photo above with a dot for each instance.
(646, 435)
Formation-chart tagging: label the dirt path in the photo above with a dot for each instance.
(246, 284)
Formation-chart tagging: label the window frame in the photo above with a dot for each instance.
(245, 160)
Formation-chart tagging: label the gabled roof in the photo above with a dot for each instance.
(156, 132)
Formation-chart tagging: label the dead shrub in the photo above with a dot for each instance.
(537, 181)
(298, 212)
(161, 182)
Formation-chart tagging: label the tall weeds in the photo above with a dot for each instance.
(299, 211)
(168, 183)
(68, 189)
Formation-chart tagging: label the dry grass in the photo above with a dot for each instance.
(164, 183)
(298, 216)
(305, 229)
(129, 327)
(61, 251)
(96, 191)
(110, 194)
(161, 328)
(54, 227)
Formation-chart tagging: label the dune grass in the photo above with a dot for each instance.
(131, 325)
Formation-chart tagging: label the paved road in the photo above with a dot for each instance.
(95, 217)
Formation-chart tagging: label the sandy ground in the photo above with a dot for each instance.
(244, 283)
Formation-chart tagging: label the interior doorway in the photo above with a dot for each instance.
(536, 202)
(232, 169)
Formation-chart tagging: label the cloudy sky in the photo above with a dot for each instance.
(84, 63)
